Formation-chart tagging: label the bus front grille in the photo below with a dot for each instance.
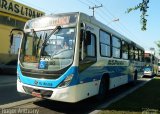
(43, 93)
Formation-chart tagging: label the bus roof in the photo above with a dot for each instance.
(95, 22)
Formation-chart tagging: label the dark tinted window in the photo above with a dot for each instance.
(125, 50)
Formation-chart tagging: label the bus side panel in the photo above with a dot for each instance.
(117, 81)
(118, 74)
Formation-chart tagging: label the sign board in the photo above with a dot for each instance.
(15, 8)
(52, 20)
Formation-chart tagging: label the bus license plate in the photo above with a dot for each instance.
(36, 95)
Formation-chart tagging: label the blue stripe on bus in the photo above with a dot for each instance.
(49, 83)
(93, 72)
(96, 72)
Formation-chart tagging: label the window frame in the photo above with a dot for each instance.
(109, 45)
(126, 43)
(136, 54)
(133, 53)
(120, 48)
(95, 51)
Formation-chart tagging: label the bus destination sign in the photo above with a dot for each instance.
(50, 21)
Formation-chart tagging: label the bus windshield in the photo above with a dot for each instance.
(55, 47)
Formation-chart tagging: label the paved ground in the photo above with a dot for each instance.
(8, 90)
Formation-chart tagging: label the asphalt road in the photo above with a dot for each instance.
(8, 90)
(82, 107)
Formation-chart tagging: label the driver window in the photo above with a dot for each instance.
(91, 48)
(88, 52)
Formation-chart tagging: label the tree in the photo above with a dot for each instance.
(158, 45)
(143, 6)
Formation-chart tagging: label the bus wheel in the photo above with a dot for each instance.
(103, 89)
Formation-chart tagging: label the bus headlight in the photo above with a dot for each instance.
(66, 82)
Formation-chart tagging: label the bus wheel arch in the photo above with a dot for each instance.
(103, 87)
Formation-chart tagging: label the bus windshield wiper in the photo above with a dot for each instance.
(54, 30)
(38, 44)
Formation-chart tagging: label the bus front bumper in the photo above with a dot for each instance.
(57, 94)
(70, 94)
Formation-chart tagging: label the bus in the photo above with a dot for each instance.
(151, 64)
(96, 60)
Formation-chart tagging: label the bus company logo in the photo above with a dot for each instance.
(36, 82)
(115, 62)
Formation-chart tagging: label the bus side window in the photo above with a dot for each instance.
(131, 52)
(87, 53)
(87, 44)
(124, 50)
(91, 49)
(105, 44)
(116, 47)
(141, 55)
(136, 54)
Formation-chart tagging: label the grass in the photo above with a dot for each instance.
(145, 99)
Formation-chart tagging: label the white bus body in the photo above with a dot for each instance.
(98, 58)
(151, 64)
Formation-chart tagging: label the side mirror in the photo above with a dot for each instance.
(13, 34)
(88, 38)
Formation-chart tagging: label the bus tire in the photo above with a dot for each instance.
(103, 88)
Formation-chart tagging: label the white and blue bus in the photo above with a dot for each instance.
(151, 64)
(95, 60)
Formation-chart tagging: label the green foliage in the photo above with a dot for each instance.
(143, 6)
(158, 44)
